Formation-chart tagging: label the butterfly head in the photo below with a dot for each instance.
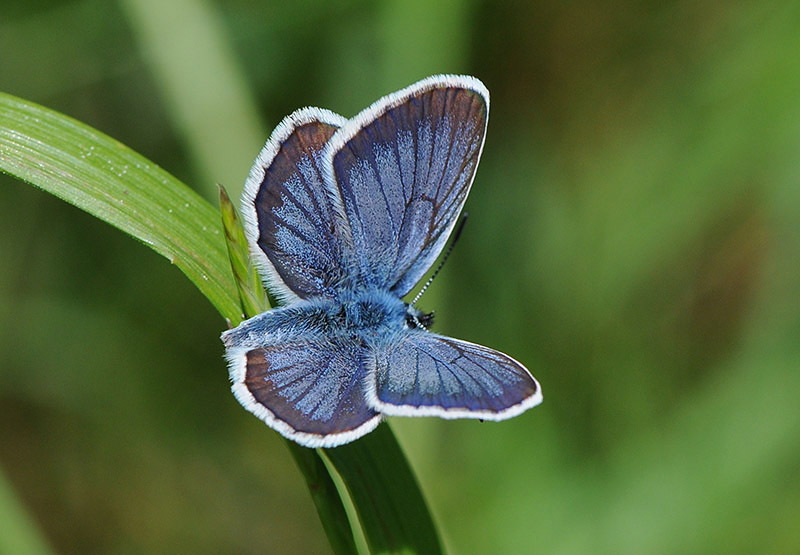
(415, 318)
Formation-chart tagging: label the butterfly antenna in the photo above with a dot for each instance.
(449, 250)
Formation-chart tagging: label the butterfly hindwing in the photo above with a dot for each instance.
(419, 373)
(309, 388)
(288, 212)
(402, 169)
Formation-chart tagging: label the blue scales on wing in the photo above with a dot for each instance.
(311, 390)
(288, 212)
(419, 373)
(403, 169)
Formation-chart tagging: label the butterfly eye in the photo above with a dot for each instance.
(426, 319)
(418, 319)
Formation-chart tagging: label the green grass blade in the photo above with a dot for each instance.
(385, 494)
(251, 292)
(112, 182)
(18, 532)
(326, 498)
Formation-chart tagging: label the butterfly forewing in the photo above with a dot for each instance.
(288, 212)
(403, 169)
(419, 373)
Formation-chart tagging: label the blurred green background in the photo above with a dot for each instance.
(634, 239)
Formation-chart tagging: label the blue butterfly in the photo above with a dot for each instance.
(343, 218)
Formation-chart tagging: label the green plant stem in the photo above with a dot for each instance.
(371, 468)
(326, 498)
(18, 533)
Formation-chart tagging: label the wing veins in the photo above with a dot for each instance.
(293, 199)
(449, 153)
(374, 165)
(462, 355)
(313, 163)
(301, 235)
(314, 382)
(290, 383)
(352, 205)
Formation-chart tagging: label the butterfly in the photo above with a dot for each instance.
(343, 217)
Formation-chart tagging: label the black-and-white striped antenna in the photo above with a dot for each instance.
(449, 250)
